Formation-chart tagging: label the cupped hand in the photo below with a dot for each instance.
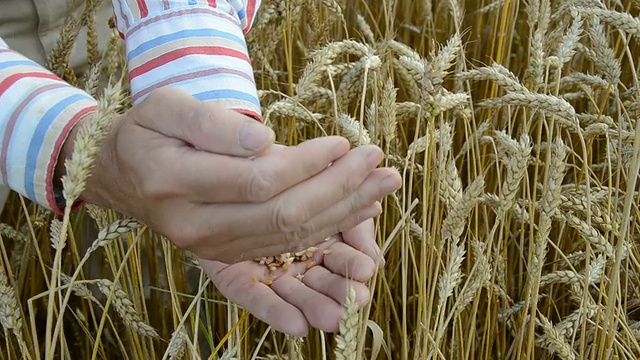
(201, 175)
(310, 293)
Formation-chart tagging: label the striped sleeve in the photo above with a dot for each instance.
(197, 46)
(37, 112)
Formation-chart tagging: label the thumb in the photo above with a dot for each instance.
(206, 126)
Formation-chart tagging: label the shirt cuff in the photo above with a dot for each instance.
(37, 114)
(198, 49)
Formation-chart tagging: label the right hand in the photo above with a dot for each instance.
(179, 166)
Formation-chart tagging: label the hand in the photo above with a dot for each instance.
(291, 305)
(200, 175)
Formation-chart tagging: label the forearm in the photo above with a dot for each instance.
(195, 46)
(38, 112)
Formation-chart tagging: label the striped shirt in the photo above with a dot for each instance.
(197, 46)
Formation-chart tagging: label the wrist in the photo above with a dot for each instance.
(98, 184)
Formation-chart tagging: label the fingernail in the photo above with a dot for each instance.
(389, 184)
(255, 136)
(373, 159)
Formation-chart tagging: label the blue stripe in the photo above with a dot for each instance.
(227, 94)
(38, 138)
(161, 40)
(8, 64)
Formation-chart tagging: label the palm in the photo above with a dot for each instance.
(306, 293)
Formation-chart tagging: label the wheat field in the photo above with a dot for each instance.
(515, 236)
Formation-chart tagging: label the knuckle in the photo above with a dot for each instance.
(349, 185)
(158, 189)
(300, 234)
(156, 95)
(189, 235)
(260, 186)
(183, 235)
(287, 218)
(159, 96)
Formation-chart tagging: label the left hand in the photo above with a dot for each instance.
(291, 305)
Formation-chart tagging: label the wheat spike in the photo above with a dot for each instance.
(125, 308)
(551, 105)
(10, 315)
(347, 339)
(178, 344)
(619, 20)
(553, 341)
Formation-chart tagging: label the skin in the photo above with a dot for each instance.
(213, 181)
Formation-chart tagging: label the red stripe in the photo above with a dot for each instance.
(142, 6)
(213, 3)
(115, 20)
(151, 20)
(56, 152)
(179, 53)
(124, 17)
(195, 75)
(12, 122)
(12, 79)
(251, 12)
(250, 113)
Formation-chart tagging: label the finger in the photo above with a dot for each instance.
(206, 126)
(276, 244)
(225, 179)
(342, 259)
(380, 183)
(363, 238)
(321, 311)
(291, 211)
(276, 148)
(257, 298)
(335, 286)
